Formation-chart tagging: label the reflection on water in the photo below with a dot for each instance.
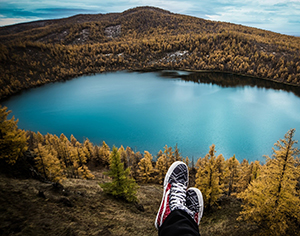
(230, 80)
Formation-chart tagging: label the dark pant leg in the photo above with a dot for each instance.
(179, 223)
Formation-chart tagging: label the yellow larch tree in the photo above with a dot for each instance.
(177, 154)
(123, 156)
(79, 162)
(12, 140)
(161, 168)
(169, 155)
(207, 178)
(88, 149)
(104, 154)
(272, 200)
(48, 164)
(244, 178)
(222, 169)
(145, 168)
(232, 177)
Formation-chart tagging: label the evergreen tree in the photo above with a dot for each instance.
(272, 199)
(145, 168)
(12, 140)
(122, 186)
(207, 178)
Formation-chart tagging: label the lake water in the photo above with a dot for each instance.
(147, 111)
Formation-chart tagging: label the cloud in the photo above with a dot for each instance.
(276, 15)
(12, 21)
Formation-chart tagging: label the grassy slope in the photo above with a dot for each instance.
(83, 209)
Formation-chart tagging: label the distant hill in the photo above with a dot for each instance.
(142, 38)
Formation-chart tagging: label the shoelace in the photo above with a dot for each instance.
(177, 196)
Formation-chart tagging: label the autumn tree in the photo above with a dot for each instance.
(222, 170)
(272, 199)
(79, 160)
(248, 172)
(123, 156)
(207, 178)
(145, 168)
(88, 148)
(48, 164)
(12, 140)
(177, 154)
(104, 154)
(122, 185)
(161, 168)
(232, 177)
(134, 160)
(169, 155)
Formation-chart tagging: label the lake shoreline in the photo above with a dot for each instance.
(150, 110)
(156, 69)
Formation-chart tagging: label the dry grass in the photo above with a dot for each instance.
(223, 220)
(81, 208)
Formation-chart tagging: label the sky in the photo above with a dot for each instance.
(281, 16)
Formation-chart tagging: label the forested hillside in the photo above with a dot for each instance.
(143, 38)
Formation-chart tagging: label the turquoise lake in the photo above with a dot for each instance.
(147, 111)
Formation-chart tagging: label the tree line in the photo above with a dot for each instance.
(142, 40)
(270, 191)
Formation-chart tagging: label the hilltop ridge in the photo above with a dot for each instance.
(142, 38)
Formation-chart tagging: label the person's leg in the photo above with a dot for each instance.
(194, 202)
(174, 195)
(180, 211)
(179, 223)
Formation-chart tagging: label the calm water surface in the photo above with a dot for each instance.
(147, 111)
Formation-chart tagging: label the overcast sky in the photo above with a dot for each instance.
(282, 16)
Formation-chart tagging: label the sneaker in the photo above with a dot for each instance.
(174, 195)
(194, 202)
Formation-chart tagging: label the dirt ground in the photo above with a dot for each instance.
(79, 207)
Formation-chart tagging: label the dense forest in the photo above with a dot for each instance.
(143, 38)
(270, 191)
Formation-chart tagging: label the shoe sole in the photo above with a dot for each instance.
(167, 176)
